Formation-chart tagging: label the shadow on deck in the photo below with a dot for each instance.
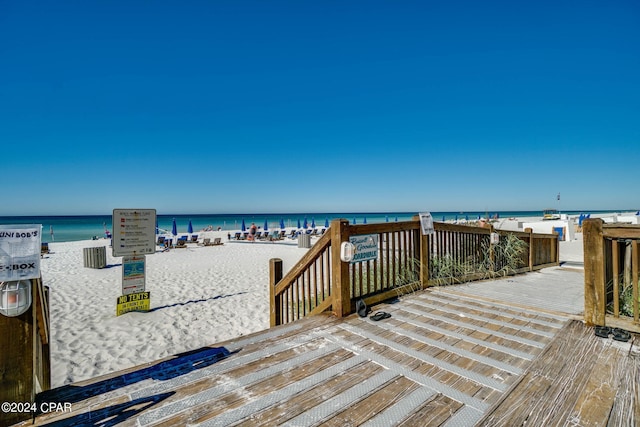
(462, 355)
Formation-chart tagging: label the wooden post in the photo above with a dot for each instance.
(594, 287)
(531, 249)
(555, 249)
(17, 335)
(275, 275)
(340, 284)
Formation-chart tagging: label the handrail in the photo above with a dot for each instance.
(404, 264)
(611, 264)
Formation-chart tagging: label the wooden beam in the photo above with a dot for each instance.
(340, 291)
(594, 286)
(275, 275)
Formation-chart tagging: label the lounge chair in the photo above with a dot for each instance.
(205, 242)
(217, 242)
(194, 238)
(182, 243)
(44, 249)
(283, 234)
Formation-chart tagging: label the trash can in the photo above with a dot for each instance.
(304, 240)
(95, 257)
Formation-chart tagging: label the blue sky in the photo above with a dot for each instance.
(325, 106)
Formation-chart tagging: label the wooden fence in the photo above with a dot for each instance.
(407, 261)
(25, 364)
(611, 260)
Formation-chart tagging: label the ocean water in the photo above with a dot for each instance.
(74, 228)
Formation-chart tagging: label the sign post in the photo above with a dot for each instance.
(20, 247)
(426, 223)
(134, 232)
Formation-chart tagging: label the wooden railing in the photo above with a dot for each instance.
(25, 365)
(407, 261)
(611, 262)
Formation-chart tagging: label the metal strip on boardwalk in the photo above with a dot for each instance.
(402, 370)
(557, 324)
(275, 397)
(400, 410)
(461, 372)
(456, 350)
(213, 392)
(483, 343)
(338, 403)
(485, 319)
(475, 328)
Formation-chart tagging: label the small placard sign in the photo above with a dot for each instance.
(140, 301)
(133, 277)
(365, 247)
(426, 223)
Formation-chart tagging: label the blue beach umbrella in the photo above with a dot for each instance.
(243, 227)
(174, 228)
(364, 221)
(326, 223)
(313, 222)
(305, 225)
(266, 225)
(396, 219)
(190, 228)
(443, 220)
(354, 221)
(281, 223)
(386, 218)
(299, 223)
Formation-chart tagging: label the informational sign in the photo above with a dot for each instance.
(20, 252)
(140, 301)
(365, 247)
(133, 274)
(426, 223)
(134, 232)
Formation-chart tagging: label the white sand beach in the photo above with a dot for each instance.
(199, 296)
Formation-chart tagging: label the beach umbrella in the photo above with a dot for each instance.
(313, 222)
(243, 227)
(466, 217)
(266, 226)
(326, 223)
(174, 228)
(299, 223)
(281, 223)
(396, 219)
(354, 221)
(305, 225)
(443, 219)
(190, 228)
(364, 221)
(386, 218)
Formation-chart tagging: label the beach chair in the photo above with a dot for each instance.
(182, 243)
(283, 234)
(160, 241)
(205, 242)
(217, 242)
(237, 236)
(314, 232)
(44, 249)
(185, 238)
(194, 238)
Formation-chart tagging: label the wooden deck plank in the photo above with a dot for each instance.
(574, 382)
(433, 413)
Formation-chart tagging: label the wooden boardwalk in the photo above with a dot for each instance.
(443, 358)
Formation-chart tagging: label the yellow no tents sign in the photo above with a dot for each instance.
(140, 301)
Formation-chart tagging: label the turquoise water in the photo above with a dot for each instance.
(73, 228)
